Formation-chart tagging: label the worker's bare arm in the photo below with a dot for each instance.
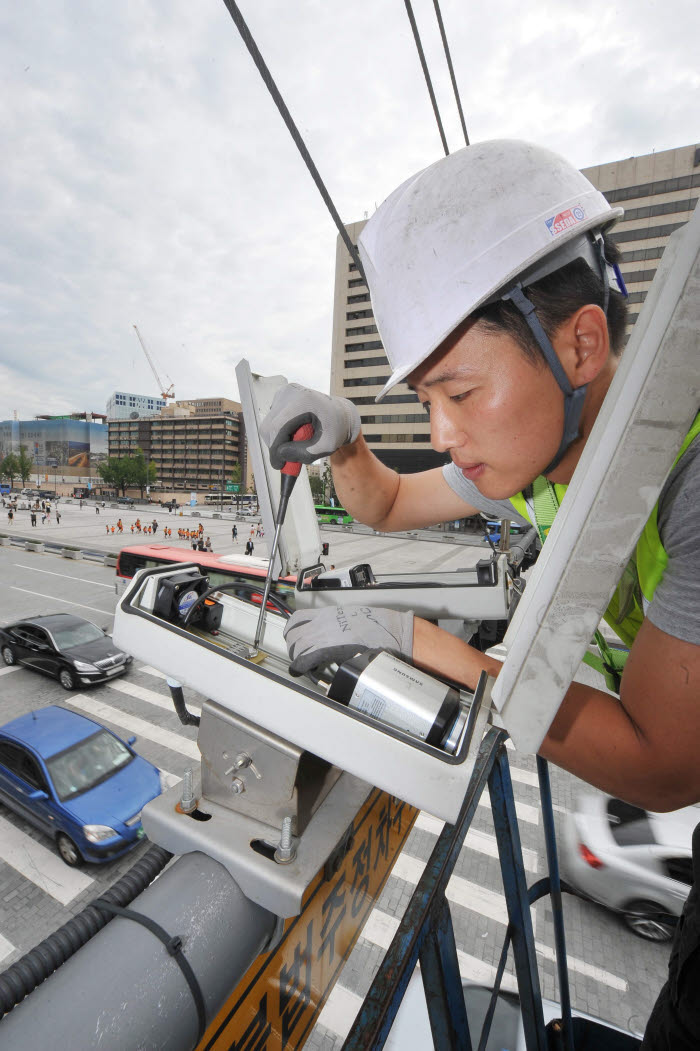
(376, 495)
(642, 747)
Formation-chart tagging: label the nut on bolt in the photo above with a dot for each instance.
(237, 785)
(286, 851)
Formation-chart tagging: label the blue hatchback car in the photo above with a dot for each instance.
(77, 782)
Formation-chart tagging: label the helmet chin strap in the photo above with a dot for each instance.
(573, 397)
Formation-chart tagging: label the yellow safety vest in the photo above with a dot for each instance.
(639, 580)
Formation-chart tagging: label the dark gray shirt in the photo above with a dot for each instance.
(675, 607)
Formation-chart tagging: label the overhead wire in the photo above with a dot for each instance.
(269, 82)
(441, 25)
(426, 74)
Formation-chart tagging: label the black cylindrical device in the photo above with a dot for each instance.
(401, 696)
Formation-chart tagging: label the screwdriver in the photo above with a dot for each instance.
(290, 473)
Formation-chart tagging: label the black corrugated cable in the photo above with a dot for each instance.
(426, 74)
(39, 963)
(259, 61)
(451, 69)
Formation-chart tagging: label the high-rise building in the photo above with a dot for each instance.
(658, 192)
(209, 406)
(190, 452)
(124, 406)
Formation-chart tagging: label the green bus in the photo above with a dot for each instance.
(332, 515)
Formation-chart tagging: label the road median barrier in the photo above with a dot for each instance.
(71, 552)
(110, 560)
(34, 545)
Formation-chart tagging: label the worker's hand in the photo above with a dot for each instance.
(335, 421)
(316, 637)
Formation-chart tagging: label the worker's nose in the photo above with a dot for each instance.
(446, 430)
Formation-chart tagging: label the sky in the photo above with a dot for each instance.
(148, 179)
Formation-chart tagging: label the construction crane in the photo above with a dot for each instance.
(165, 394)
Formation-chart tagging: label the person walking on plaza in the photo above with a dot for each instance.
(97, 509)
(155, 525)
(234, 533)
(43, 517)
(32, 518)
(249, 547)
(207, 543)
(58, 517)
(120, 527)
(10, 516)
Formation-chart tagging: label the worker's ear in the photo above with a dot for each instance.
(583, 345)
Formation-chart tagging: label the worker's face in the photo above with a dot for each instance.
(499, 415)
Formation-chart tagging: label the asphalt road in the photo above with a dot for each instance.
(615, 975)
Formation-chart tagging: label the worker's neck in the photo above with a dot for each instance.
(595, 395)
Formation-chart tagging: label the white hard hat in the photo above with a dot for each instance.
(452, 236)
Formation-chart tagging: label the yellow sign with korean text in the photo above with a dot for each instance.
(275, 1005)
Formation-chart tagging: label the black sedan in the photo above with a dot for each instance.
(72, 650)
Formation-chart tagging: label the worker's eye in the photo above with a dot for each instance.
(460, 397)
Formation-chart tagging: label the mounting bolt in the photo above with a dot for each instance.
(187, 801)
(237, 785)
(285, 852)
(241, 761)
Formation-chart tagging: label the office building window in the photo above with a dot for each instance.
(357, 363)
(355, 282)
(360, 330)
(362, 297)
(650, 189)
(373, 344)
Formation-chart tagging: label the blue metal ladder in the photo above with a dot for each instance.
(426, 934)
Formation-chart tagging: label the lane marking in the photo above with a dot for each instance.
(55, 598)
(41, 866)
(475, 840)
(66, 576)
(141, 693)
(96, 709)
(5, 948)
(9, 668)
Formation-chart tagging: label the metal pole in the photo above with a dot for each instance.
(515, 888)
(555, 895)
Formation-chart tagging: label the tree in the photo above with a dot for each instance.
(317, 488)
(236, 479)
(142, 473)
(9, 468)
(24, 464)
(116, 471)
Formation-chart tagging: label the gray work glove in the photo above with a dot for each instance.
(335, 633)
(335, 421)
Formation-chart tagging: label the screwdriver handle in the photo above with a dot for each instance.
(301, 434)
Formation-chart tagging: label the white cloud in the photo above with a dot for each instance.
(148, 178)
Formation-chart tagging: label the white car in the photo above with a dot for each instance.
(631, 860)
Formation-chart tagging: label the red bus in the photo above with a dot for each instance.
(221, 569)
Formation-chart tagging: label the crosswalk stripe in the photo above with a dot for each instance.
(148, 670)
(42, 866)
(525, 812)
(96, 709)
(475, 840)
(581, 967)
(340, 1010)
(460, 891)
(141, 693)
(5, 948)
(12, 667)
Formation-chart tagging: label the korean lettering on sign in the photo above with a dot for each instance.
(275, 1005)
